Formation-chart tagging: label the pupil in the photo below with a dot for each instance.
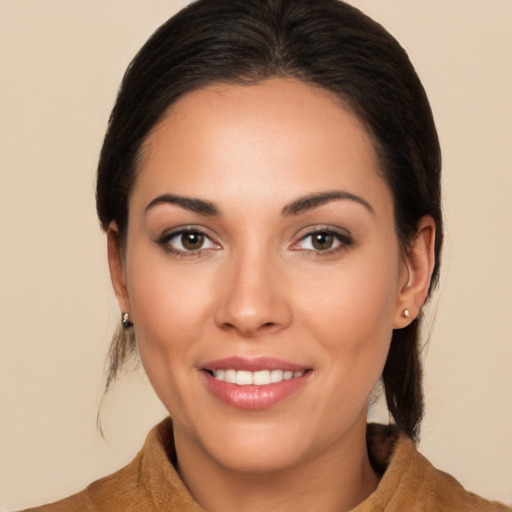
(322, 241)
(192, 241)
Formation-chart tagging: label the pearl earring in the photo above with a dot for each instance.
(406, 313)
(125, 320)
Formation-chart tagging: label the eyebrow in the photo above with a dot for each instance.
(296, 207)
(311, 201)
(189, 203)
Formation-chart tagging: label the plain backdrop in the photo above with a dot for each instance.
(60, 65)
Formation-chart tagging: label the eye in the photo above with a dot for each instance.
(322, 240)
(187, 241)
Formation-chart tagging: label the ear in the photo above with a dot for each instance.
(416, 273)
(117, 267)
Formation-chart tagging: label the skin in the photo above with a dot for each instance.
(258, 286)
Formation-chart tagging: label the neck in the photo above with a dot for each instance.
(334, 481)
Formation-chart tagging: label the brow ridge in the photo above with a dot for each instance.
(189, 203)
(316, 199)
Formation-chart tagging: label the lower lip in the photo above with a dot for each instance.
(254, 397)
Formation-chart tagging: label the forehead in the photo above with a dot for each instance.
(278, 136)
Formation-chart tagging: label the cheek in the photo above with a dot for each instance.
(351, 310)
(169, 310)
(165, 298)
(359, 296)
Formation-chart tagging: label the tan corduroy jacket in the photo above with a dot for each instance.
(151, 484)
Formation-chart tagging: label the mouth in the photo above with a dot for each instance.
(254, 384)
(258, 378)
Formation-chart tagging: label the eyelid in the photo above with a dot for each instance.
(343, 237)
(165, 239)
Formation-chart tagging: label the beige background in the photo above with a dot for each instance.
(60, 64)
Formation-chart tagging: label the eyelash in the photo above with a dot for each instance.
(165, 242)
(343, 242)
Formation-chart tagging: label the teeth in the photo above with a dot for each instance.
(260, 378)
(276, 376)
(230, 376)
(243, 378)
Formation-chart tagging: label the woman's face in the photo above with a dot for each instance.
(261, 245)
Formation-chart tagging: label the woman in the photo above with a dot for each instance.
(270, 189)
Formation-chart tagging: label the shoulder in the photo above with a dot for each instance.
(445, 493)
(150, 483)
(410, 482)
(75, 503)
(118, 491)
(125, 489)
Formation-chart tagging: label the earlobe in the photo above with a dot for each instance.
(418, 266)
(116, 267)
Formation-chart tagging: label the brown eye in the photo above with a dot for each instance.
(322, 241)
(192, 241)
(187, 242)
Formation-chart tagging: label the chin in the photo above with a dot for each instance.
(253, 446)
(258, 456)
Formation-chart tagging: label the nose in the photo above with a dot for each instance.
(252, 298)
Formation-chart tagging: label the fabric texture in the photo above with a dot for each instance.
(150, 482)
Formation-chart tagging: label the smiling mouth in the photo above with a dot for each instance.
(259, 378)
(254, 384)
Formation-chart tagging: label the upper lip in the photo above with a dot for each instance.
(253, 364)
